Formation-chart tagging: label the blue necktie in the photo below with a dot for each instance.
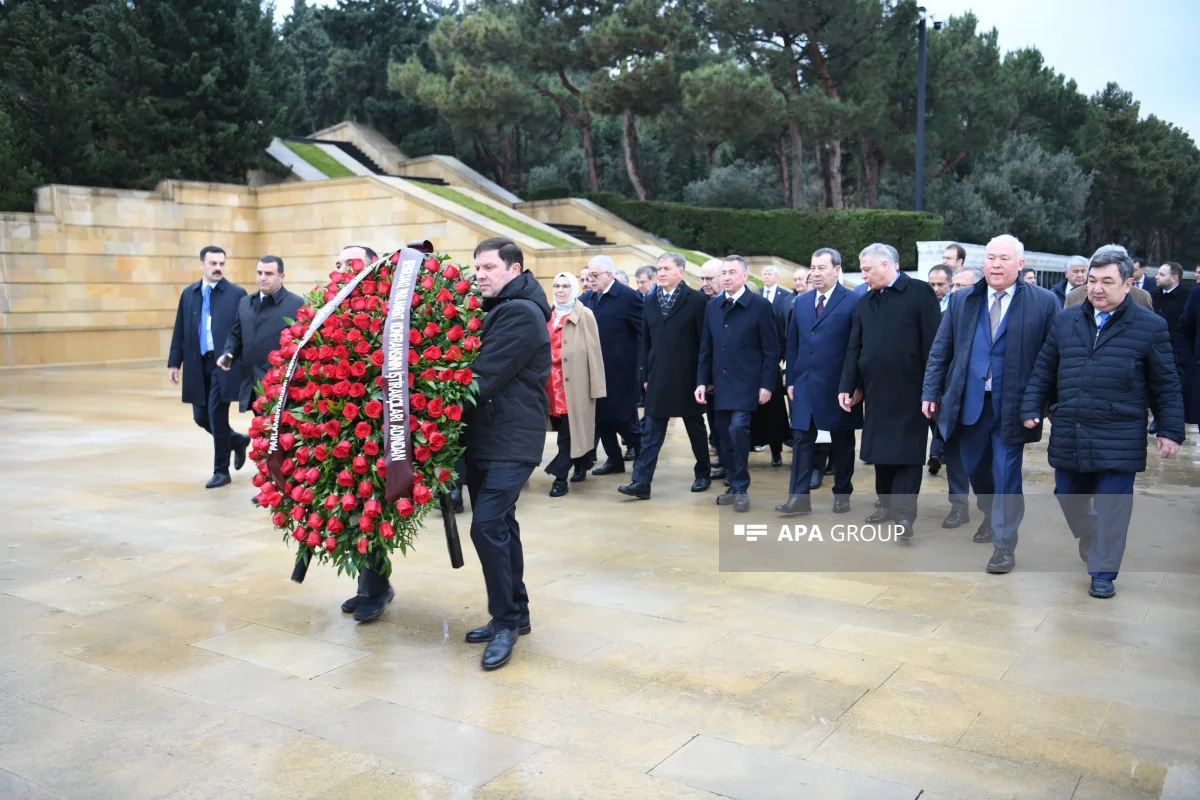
(204, 314)
(1104, 317)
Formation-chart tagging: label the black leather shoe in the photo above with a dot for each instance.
(558, 488)
(828, 470)
(727, 498)
(904, 529)
(456, 500)
(777, 461)
(841, 504)
(1085, 547)
(578, 475)
(1001, 562)
(499, 649)
(935, 464)
(796, 504)
(631, 454)
(371, 608)
(218, 479)
(984, 533)
(639, 490)
(484, 634)
(718, 474)
(815, 480)
(741, 503)
(349, 606)
(609, 468)
(701, 484)
(1102, 588)
(239, 453)
(881, 514)
(956, 518)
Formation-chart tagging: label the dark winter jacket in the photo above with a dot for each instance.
(1060, 290)
(509, 422)
(1098, 388)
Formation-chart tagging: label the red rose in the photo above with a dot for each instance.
(373, 409)
(350, 411)
(370, 447)
(474, 324)
(361, 321)
(314, 521)
(386, 530)
(377, 358)
(456, 333)
(341, 450)
(366, 524)
(445, 375)
(348, 503)
(358, 304)
(432, 353)
(288, 466)
(421, 494)
(471, 343)
(443, 474)
(299, 534)
(473, 303)
(380, 464)
(330, 544)
(358, 369)
(287, 441)
(454, 413)
(342, 371)
(449, 311)
(422, 453)
(309, 496)
(362, 545)
(362, 430)
(395, 258)
(414, 336)
(444, 295)
(414, 358)
(360, 465)
(357, 390)
(279, 519)
(321, 452)
(431, 330)
(454, 354)
(365, 489)
(313, 539)
(462, 287)
(417, 402)
(429, 374)
(356, 264)
(344, 478)
(413, 425)
(435, 407)
(428, 427)
(362, 348)
(333, 428)
(416, 300)
(335, 526)
(437, 440)
(297, 495)
(432, 264)
(450, 272)
(314, 475)
(463, 376)
(427, 282)
(372, 508)
(404, 507)
(385, 288)
(257, 481)
(331, 502)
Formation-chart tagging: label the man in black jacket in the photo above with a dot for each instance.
(261, 317)
(1075, 276)
(672, 322)
(207, 309)
(1103, 363)
(505, 434)
(1169, 301)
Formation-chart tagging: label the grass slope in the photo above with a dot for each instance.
(318, 158)
(496, 215)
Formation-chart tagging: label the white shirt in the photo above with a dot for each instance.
(1173, 288)
(1005, 302)
(610, 285)
(735, 297)
(769, 293)
(826, 295)
(945, 302)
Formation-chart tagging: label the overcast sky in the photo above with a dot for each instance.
(1148, 46)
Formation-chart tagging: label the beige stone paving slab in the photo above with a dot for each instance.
(900, 715)
(556, 775)
(1063, 648)
(822, 663)
(1000, 698)
(465, 753)
(737, 771)
(278, 650)
(219, 787)
(1073, 599)
(1139, 690)
(1138, 769)
(1117, 631)
(642, 628)
(939, 768)
(683, 667)
(613, 594)
(77, 595)
(799, 697)
(169, 621)
(863, 616)
(12, 786)
(986, 662)
(793, 627)
(561, 640)
(834, 587)
(163, 661)
(1179, 666)
(596, 684)
(1137, 725)
(936, 607)
(575, 727)
(385, 780)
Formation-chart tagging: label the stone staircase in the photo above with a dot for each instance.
(581, 233)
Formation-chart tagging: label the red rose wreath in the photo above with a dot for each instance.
(330, 473)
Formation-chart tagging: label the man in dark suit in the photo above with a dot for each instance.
(894, 327)
(1074, 277)
(618, 312)
(206, 313)
(816, 353)
(710, 287)
(981, 360)
(1140, 279)
(779, 297)
(1188, 337)
(261, 317)
(769, 426)
(739, 360)
(1169, 301)
(672, 321)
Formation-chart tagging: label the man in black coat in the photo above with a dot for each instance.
(618, 312)
(770, 426)
(1188, 338)
(739, 362)
(1075, 276)
(1169, 300)
(975, 379)
(261, 317)
(672, 322)
(505, 434)
(894, 327)
(1103, 363)
(206, 313)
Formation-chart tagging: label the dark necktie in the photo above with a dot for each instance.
(820, 304)
(664, 301)
(728, 302)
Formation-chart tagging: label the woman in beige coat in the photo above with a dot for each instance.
(576, 381)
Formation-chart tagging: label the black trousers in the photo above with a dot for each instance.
(897, 486)
(804, 459)
(654, 433)
(494, 487)
(607, 434)
(562, 461)
(213, 416)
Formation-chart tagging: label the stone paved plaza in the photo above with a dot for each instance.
(152, 646)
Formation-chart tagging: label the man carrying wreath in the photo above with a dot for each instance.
(505, 434)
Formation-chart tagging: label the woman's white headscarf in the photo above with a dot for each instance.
(562, 309)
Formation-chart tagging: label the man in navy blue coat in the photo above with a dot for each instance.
(1103, 363)
(618, 311)
(207, 310)
(975, 379)
(739, 361)
(818, 332)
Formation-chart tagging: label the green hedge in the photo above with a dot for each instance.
(793, 235)
(547, 193)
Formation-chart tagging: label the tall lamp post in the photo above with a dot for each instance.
(919, 200)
